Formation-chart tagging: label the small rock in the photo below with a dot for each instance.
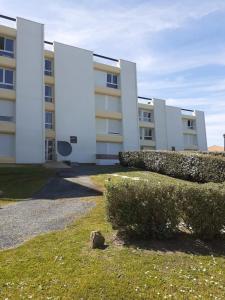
(97, 240)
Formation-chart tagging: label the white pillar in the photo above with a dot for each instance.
(75, 102)
(128, 82)
(160, 124)
(201, 130)
(174, 128)
(29, 92)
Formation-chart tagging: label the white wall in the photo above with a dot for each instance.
(130, 123)
(7, 142)
(75, 102)
(29, 92)
(160, 124)
(201, 130)
(174, 128)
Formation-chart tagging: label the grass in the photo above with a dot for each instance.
(61, 265)
(22, 181)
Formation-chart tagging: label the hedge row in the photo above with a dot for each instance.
(188, 166)
(154, 210)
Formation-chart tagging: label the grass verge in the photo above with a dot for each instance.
(61, 265)
(22, 181)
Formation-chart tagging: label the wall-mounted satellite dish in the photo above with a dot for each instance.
(64, 148)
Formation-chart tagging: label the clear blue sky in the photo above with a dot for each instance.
(178, 45)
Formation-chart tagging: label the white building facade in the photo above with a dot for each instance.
(63, 104)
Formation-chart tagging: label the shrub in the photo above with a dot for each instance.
(142, 209)
(153, 209)
(189, 166)
(202, 207)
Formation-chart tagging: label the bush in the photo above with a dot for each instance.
(142, 209)
(151, 209)
(202, 207)
(191, 166)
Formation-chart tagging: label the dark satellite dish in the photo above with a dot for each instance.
(64, 148)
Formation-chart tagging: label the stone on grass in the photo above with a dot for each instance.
(97, 240)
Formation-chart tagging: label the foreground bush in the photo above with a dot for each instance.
(143, 209)
(202, 208)
(151, 209)
(189, 166)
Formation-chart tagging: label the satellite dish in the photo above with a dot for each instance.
(64, 148)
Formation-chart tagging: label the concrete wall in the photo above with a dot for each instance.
(29, 92)
(201, 130)
(130, 123)
(160, 124)
(75, 102)
(174, 128)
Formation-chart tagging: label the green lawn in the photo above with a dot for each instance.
(61, 265)
(22, 181)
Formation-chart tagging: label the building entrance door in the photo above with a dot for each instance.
(49, 150)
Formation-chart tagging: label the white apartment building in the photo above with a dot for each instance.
(64, 104)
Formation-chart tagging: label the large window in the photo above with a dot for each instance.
(146, 134)
(48, 93)
(49, 120)
(48, 67)
(6, 47)
(112, 81)
(145, 116)
(6, 79)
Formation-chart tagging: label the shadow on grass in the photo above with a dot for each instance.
(183, 242)
(74, 182)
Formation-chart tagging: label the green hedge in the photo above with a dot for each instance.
(142, 208)
(191, 166)
(153, 210)
(202, 207)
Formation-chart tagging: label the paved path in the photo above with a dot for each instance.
(58, 204)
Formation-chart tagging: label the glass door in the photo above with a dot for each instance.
(49, 150)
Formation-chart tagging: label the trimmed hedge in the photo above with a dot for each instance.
(202, 207)
(142, 209)
(148, 209)
(191, 166)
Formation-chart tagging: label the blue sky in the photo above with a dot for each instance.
(179, 46)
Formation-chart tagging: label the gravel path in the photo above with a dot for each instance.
(60, 202)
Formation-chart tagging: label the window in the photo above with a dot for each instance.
(145, 116)
(48, 120)
(6, 118)
(190, 124)
(112, 81)
(146, 134)
(114, 126)
(48, 93)
(48, 67)
(6, 79)
(6, 47)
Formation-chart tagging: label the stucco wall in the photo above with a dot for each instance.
(29, 92)
(75, 102)
(130, 125)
